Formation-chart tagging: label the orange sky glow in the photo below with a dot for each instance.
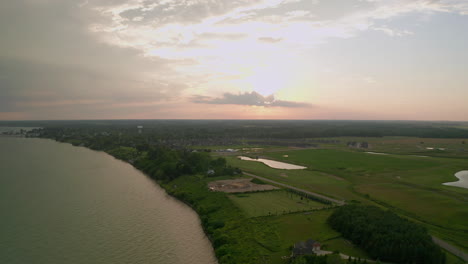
(244, 59)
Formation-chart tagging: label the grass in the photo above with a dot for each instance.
(272, 203)
(235, 238)
(238, 238)
(349, 163)
(412, 200)
(297, 227)
(310, 180)
(408, 145)
(451, 259)
(412, 186)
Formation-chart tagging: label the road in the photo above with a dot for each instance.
(296, 189)
(457, 252)
(452, 249)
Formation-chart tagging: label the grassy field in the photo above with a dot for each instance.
(348, 164)
(300, 227)
(238, 238)
(272, 203)
(409, 184)
(408, 145)
(316, 181)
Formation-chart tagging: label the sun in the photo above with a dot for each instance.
(267, 81)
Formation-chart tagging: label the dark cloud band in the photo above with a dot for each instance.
(252, 98)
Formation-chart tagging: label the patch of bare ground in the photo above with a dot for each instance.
(238, 186)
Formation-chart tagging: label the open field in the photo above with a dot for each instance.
(412, 200)
(411, 185)
(273, 203)
(444, 147)
(265, 237)
(314, 181)
(348, 164)
(239, 185)
(299, 227)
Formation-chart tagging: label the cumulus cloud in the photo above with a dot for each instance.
(178, 29)
(104, 54)
(248, 98)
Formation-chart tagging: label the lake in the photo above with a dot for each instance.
(275, 164)
(65, 204)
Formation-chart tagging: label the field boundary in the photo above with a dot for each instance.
(450, 248)
(338, 202)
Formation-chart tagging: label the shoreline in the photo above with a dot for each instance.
(164, 187)
(184, 193)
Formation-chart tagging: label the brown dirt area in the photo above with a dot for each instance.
(238, 186)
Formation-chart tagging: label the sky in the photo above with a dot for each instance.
(234, 59)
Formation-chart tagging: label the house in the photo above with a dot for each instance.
(308, 247)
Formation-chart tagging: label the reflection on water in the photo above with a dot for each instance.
(275, 164)
(462, 180)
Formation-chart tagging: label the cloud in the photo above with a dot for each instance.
(269, 39)
(86, 56)
(179, 29)
(393, 32)
(51, 66)
(248, 98)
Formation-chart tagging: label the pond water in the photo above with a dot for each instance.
(462, 180)
(65, 204)
(275, 164)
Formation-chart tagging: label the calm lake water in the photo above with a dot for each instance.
(462, 180)
(64, 204)
(275, 164)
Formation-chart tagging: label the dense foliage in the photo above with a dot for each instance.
(225, 132)
(312, 259)
(326, 259)
(385, 235)
(235, 237)
(162, 163)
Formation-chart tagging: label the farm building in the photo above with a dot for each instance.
(308, 247)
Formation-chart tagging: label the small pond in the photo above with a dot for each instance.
(275, 164)
(462, 180)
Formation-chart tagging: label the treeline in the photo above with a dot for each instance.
(326, 259)
(311, 197)
(386, 236)
(235, 237)
(160, 162)
(220, 132)
(165, 164)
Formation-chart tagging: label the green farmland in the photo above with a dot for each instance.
(293, 228)
(272, 203)
(408, 184)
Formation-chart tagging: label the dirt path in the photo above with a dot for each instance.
(457, 252)
(296, 189)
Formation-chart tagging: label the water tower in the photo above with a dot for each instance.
(140, 128)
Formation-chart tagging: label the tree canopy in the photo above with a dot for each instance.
(385, 235)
